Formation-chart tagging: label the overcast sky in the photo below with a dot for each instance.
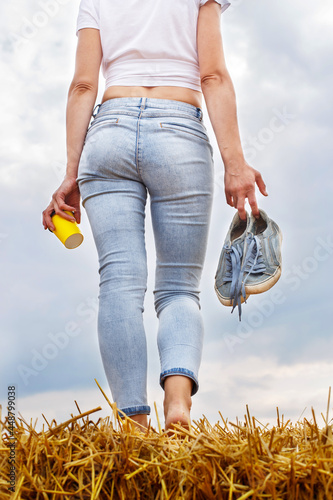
(279, 56)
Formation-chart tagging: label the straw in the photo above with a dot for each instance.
(112, 459)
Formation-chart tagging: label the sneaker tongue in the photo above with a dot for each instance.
(238, 240)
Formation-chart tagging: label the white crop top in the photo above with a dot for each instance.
(146, 42)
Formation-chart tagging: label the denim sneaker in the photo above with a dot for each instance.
(262, 262)
(229, 286)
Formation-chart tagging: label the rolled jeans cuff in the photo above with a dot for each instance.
(134, 410)
(180, 371)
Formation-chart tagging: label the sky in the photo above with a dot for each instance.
(280, 355)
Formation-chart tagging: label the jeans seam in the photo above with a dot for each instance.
(137, 146)
(151, 103)
(151, 114)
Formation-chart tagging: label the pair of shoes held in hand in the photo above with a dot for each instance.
(250, 261)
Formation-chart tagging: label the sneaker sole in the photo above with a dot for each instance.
(227, 301)
(264, 285)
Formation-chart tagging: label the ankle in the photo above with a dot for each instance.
(178, 390)
(177, 401)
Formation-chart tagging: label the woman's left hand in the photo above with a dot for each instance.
(66, 197)
(240, 184)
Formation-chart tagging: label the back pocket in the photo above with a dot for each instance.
(196, 129)
(102, 120)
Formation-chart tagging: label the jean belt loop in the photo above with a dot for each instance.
(199, 114)
(97, 106)
(143, 102)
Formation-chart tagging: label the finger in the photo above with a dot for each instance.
(62, 205)
(241, 208)
(44, 222)
(253, 205)
(261, 185)
(59, 200)
(63, 214)
(229, 199)
(59, 209)
(47, 220)
(77, 216)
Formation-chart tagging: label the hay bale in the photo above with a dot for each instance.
(113, 459)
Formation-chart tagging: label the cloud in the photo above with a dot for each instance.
(262, 384)
(283, 86)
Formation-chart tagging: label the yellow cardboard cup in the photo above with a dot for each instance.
(67, 231)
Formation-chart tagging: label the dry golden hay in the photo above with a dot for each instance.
(113, 459)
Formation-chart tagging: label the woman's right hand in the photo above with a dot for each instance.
(66, 197)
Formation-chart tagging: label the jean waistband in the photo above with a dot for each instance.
(146, 103)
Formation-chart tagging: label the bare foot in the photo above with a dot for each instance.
(177, 400)
(140, 422)
(177, 414)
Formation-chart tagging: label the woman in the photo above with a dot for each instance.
(148, 137)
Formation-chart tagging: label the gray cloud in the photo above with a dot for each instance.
(280, 67)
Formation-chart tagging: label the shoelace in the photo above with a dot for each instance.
(234, 255)
(252, 263)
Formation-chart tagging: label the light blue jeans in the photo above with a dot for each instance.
(135, 146)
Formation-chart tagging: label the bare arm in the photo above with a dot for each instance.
(80, 103)
(82, 94)
(219, 94)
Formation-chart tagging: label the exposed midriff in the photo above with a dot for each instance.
(183, 94)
